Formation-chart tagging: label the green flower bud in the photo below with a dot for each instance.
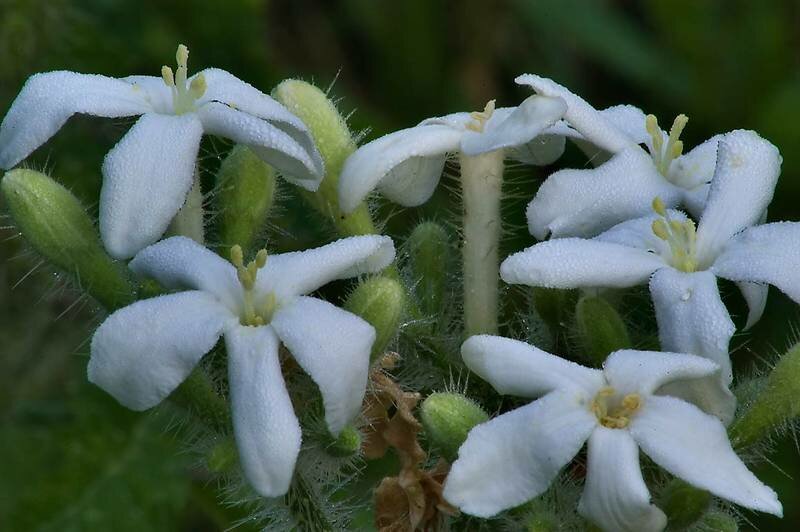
(718, 522)
(246, 186)
(223, 456)
(428, 252)
(347, 444)
(380, 301)
(335, 144)
(447, 418)
(55, 224)
(776, 404)
(553, 306)
(188, 221)
(683, 504)
(600, 328)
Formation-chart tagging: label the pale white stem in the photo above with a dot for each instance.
(189, 220)
(481, 183)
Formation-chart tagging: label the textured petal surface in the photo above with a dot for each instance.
(47, 100)
(744, 181)
(694, 446)
(302, 272)
(274, 145)
(756, 296)
(696, 167)
(146, 178)
(766, 253)
(629, 371)
(180, 262)
(541, 151)
(266, 429)
(381, 160)
(587, 202)
(515, 128)
(333, 347)
(515, 457)
(516, 368)
(575, 263)
(615, 496)
(154, 91)
(586, 119)
(142, 352)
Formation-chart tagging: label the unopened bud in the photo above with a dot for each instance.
(600, 327)
(380, 301)
(347, 443)
(447, 418)
(429, 254)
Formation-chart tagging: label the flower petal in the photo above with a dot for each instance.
(296, 163)
(302, 272)
(766, 253)
(180, 262)
(576, 263)
(586, 119)
(744, 181)
(586, 202)
(692, 319)
(696, 167)
(541, 151)
(515, 127)
(47, 100)
(142, 352)
(514, 457)
(333, 347)
(154, 91)
(615, 496)
(756, 296)
(629, 371)
(264, 423)
(694, 447)
(516, 368)
(146, 178)
(638, 233)
(423, 150)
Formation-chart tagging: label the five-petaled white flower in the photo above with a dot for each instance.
(586, 202)
(148, 174)
(682, 264)
(618, 410)
(406, 165)
(142, 352)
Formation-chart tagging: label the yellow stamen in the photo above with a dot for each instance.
(183, 96)
(680, 235)
(167, 76)
(479, 118)
(255, 313)
(664, 154)
(613, 414)
(659, 207)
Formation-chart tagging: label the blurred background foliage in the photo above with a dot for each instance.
(74, 460)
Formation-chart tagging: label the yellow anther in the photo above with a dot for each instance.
(613, 413)
(479, 118)
(167, 76)
(237, 256)
(261, 258)
(198, 86)
(254, 313)
(676, 227)
(660, 229)
(663, 154)
(659, 207)
(677, 127)
(183, 95)
(182, 55)
(677, 149)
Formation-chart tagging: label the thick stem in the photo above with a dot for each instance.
(481, 183)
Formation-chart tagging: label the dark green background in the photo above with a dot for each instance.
(72, 459)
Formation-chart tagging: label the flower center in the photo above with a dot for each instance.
(680, 235)
(664, 154)
(255, 312)
(613, 412)
(183, 96)
(479, 118)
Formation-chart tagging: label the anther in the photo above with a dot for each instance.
(167, 76)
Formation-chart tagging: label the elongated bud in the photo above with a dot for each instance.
(683, 504)
(347, 443)
(246, 187)
(429, 254)
(223, 456)
(447, 418)
(600, 328)
(56, 225)
(775, 405)
(380, 301)
(335, 144)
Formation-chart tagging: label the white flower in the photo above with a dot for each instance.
(618, 410)
(406, 165)
(682, 264)
(142, 352)
(148, 174)
(586, 202)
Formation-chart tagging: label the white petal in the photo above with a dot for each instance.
(47, 100)
(696, 167)
(515, 128)
(744, 181)
(541, 151)
(695, 200)
(422, 148)
(302, 272)
(629, 371)
(333, 347)
(692, 319)
(142, 352)
(586, 202)
(180, 262)
(629, 120)
(515, 457)
(576, 263)
(266, 429)
(580, 115)
(638, 233)
(694, 447)
(146, 178)
(615, 496)
(154, 91)
(766, 253)
(516, 368)
(756, 296)
(296, 164)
